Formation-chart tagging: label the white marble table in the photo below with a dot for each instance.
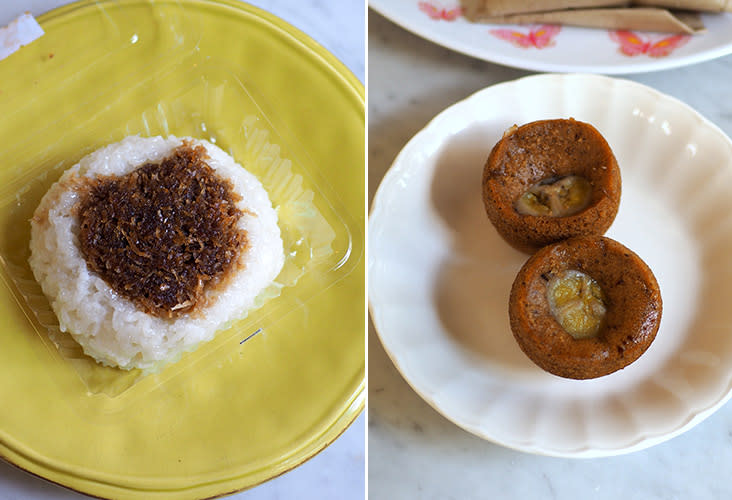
(415, 453)
(338, 472)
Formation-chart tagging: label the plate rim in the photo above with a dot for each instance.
(646, 440)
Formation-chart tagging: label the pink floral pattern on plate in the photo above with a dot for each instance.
(539, 37)
(438, 11)
(633, 44)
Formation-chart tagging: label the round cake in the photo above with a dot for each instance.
(550, 180)
(147, 247)
(585, 307)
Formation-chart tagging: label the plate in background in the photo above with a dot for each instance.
(571, 50)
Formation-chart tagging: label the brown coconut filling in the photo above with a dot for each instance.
(163, 234)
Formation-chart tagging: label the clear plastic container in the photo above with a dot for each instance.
(157, 82)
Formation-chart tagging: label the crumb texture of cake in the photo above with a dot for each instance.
(585, 307)
(147, 247)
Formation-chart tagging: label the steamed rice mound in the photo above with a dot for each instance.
(111, 328)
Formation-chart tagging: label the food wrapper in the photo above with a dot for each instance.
(641, 19)
(478, 9)
(700, 5)
(21, 31)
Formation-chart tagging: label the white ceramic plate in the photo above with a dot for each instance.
(440, 276)
(570, 50)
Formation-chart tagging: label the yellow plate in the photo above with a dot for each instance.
(231, 414)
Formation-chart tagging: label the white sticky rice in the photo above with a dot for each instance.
(111, 328)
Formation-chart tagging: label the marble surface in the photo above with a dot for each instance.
(339, 471)
(414, 452)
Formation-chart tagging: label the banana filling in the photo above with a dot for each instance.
(577, 303)
(556, 197)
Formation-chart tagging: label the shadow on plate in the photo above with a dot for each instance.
(474, 284)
